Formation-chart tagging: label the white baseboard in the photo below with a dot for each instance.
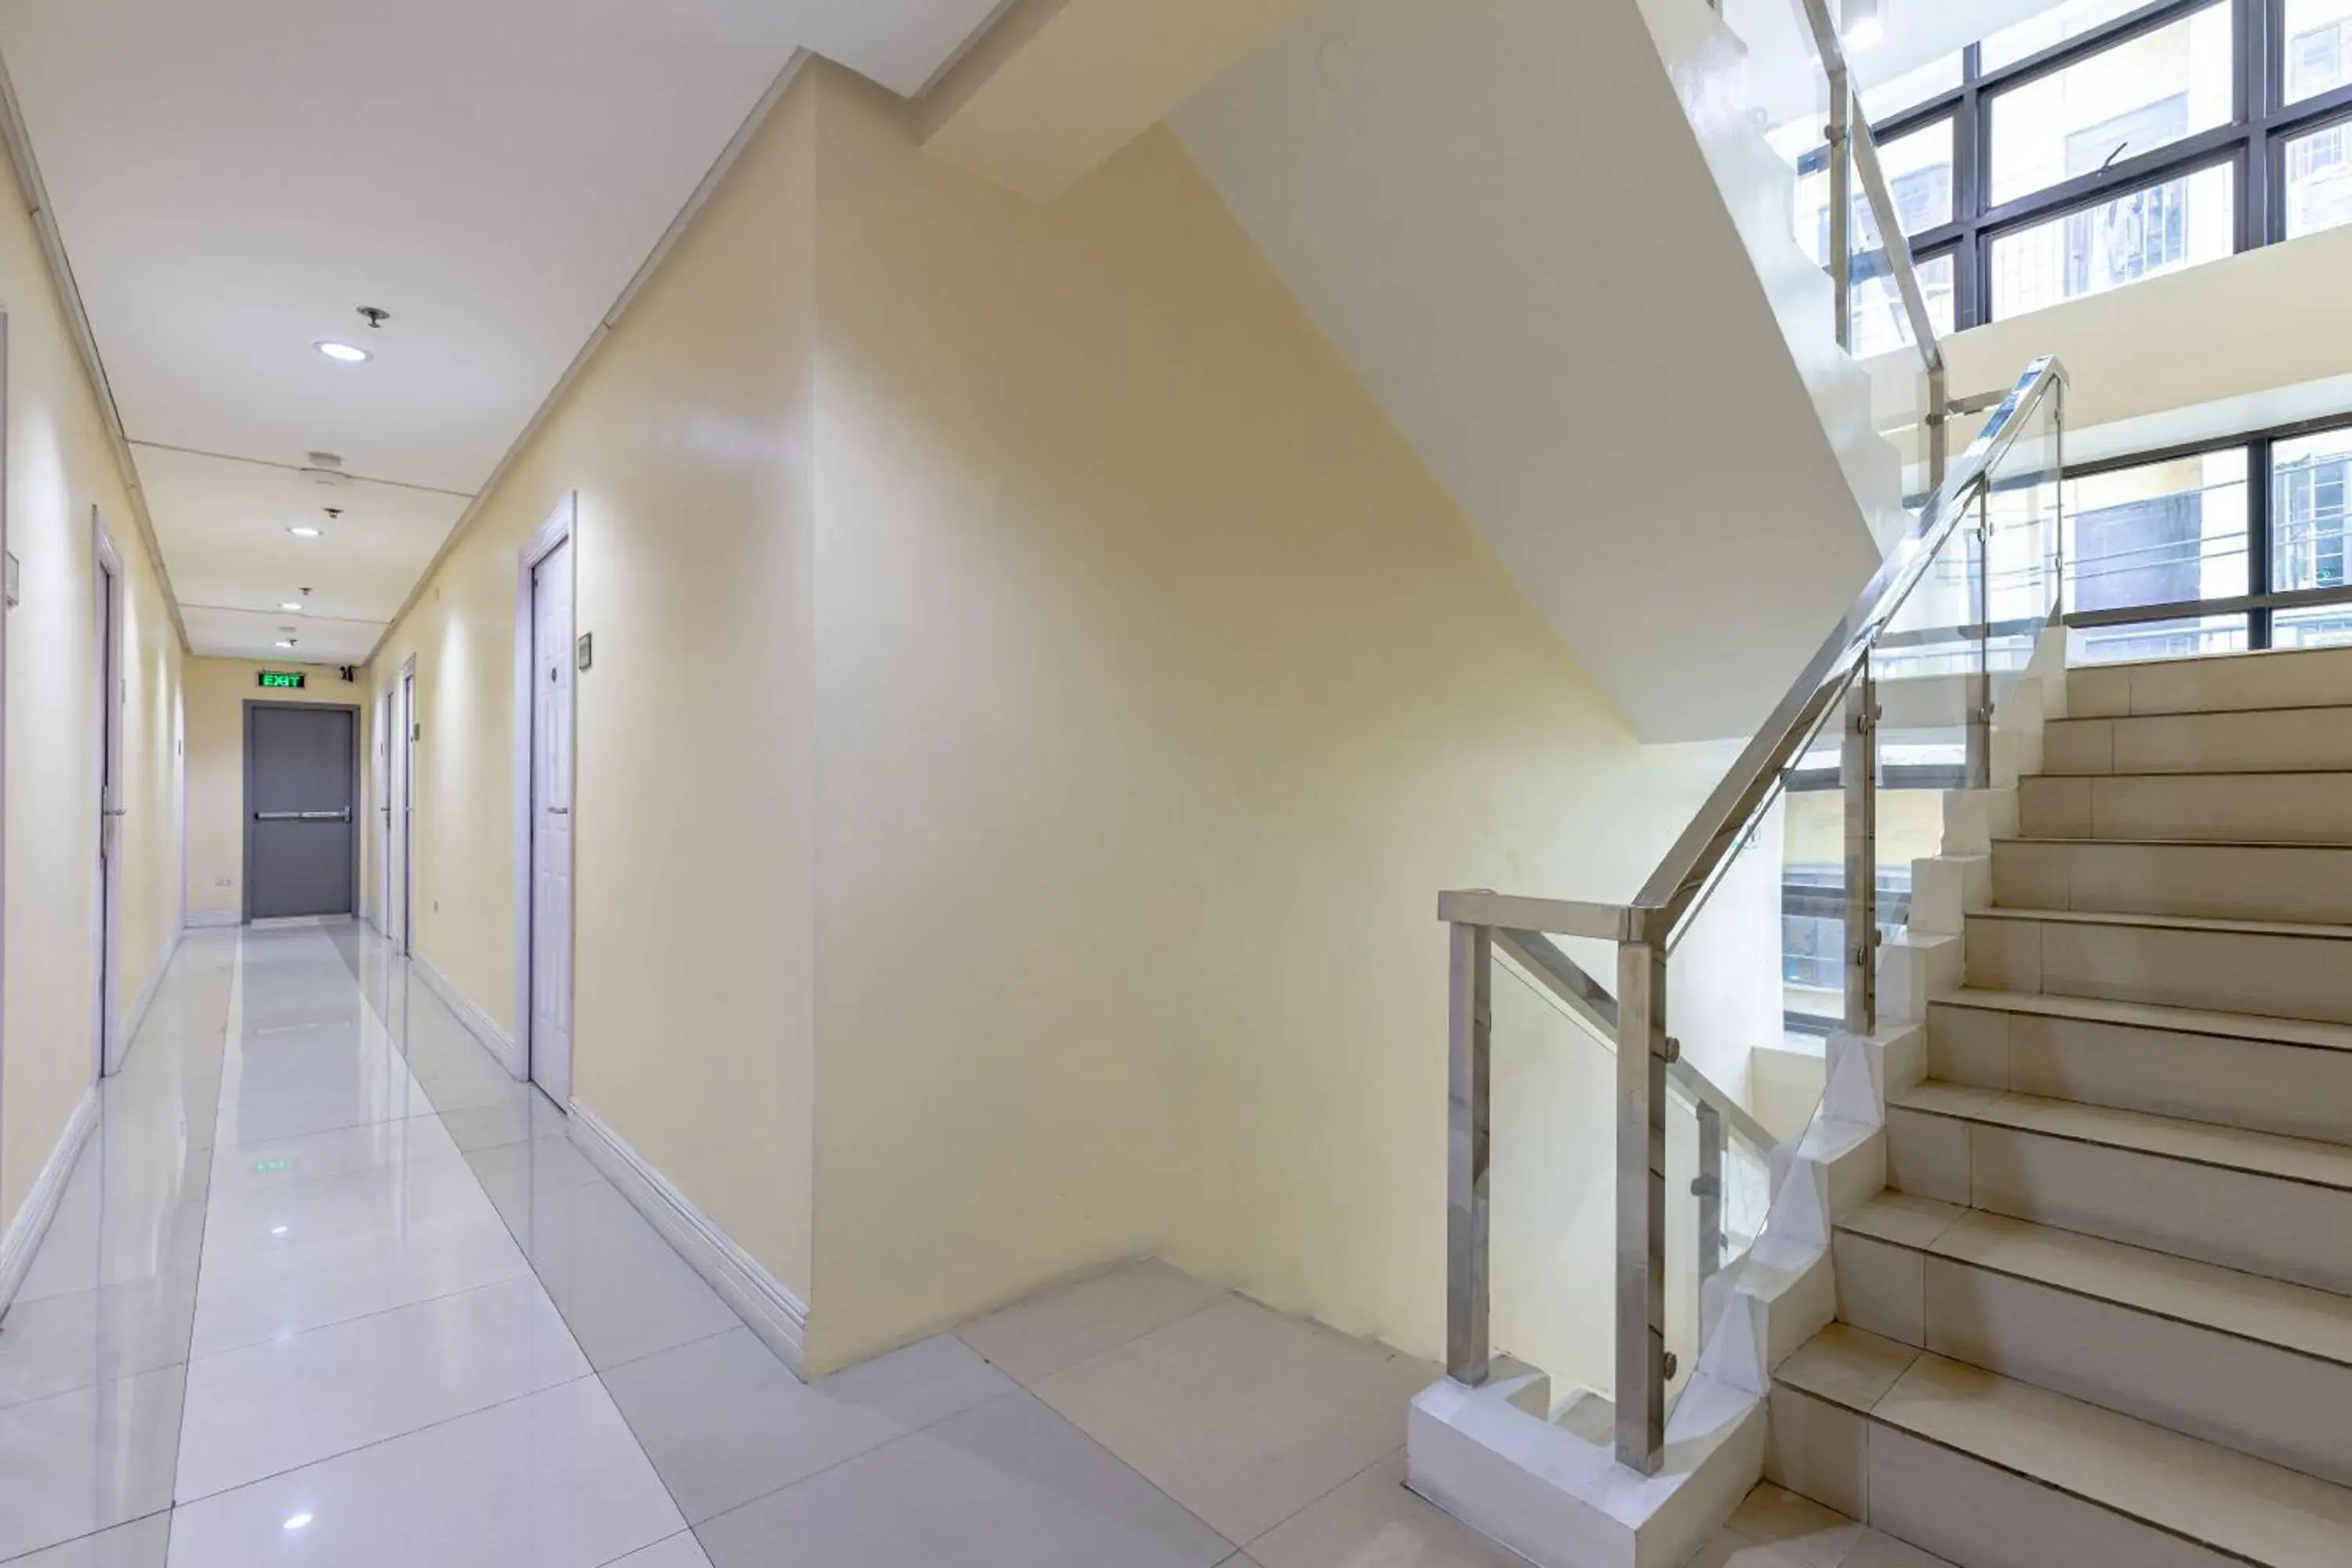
(758, 1298)
(483, 1028)
(32, 1222)
(213, 917)
(136, 1014)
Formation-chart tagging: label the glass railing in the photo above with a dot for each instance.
(1723, 1011)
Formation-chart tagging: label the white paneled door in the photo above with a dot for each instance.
(550, 869)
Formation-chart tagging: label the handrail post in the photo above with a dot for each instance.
(1708, 1190)
(1469, 1087)
(1858, 773)
(1840, 132)
(1641, 1054)
(1939, 425)
(1979, 751)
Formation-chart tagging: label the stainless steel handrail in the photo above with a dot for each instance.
(1708, 841)
(1850, 138)
(1539, 957)
(2230, 605)
(1838, 675)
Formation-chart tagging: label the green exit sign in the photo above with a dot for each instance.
(283, 680)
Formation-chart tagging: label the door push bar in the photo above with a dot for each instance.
(342, 815)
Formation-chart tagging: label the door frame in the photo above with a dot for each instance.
(559, 529)
(405, 820)
(353, 709)
(380, 915)
(111, 679)
(5, 613)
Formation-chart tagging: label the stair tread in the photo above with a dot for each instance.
(2199, 1142)
(2273, 1312)
(2168, 923)
(2309, 1032)
(2301, 846)
(2201, 713)
(2226, 1501)
(2235, 775)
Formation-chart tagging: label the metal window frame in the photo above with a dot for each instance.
(2255, 140)
(2258, 445)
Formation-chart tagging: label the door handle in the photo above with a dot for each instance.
(559, 811)
(114, 811)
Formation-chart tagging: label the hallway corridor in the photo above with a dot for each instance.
(328, 1286)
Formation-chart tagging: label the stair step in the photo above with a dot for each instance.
(2288, 1076)
(2254, 1201)
(2275, 740)
(2285, 678)
(2273, 968)
(1991, 1472)
(2309, 883)
(2235, 807)
(2257, 1365)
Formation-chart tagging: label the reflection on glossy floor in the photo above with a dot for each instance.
(328, 1287)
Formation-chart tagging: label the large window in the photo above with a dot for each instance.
(2096, 144)
(2256, 521)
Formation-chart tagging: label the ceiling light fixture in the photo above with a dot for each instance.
(342, 352)
(1863, 24)
(290, 608)
(304, 530)
(287, 642)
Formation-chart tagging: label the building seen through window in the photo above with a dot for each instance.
(2092, 146)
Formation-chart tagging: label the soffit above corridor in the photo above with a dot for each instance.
(234, 178)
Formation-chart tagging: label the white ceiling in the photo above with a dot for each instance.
(234, 178)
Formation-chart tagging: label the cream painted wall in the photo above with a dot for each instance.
(687, 441)
(218, 691)
(1162, 688)
(1037, 699)
(58, 466)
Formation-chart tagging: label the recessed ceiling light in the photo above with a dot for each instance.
(298, 1520)
(342, 352)
(287, 642)
(304, 530)
(290, 608)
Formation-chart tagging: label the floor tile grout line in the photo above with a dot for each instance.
(194, 1361)
(162, 1513)
(232, 1015)
(1216, 1299)
(530, 1271)
(587, 1376)
(1018, 1391)
(687, 1533)
(1322, 1497)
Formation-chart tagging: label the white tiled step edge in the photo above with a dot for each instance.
(1993, 1473)
(2306, 882)
(2304, 678)
(2252, 1365)
(2254, 1201)
(2288, 1076)
(2240, 807)
(2277, 739)
(2275, 969)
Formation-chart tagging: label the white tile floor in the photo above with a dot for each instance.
(328, 1286)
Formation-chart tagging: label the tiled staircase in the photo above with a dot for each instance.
(2104, 1314)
